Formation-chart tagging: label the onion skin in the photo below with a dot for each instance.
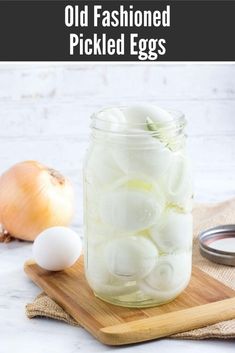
(34, 197)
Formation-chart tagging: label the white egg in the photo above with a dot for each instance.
(169, 277)
(170, 271)
(179, 182)
(129, 210)
(113, 119)
(130, 257)
(142, 154)
(175, 232)
(139, 113)
(101, 280)
(101, 169)
(57, 248)
(156, 120)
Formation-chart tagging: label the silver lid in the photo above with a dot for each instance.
(218, 244)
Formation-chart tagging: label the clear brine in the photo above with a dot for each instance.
(138, 202)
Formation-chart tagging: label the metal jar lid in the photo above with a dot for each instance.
(218, 244)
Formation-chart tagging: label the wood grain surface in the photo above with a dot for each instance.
(204, 302)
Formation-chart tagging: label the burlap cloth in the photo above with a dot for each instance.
(204, 216)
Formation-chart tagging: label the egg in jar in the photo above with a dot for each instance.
(138, 222)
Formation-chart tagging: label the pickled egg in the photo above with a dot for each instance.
(169, 277)
(101, 169)
(129, 210)
(130, 257)
(174, 233)
(179, 182)
(152, 160)
(138, 114)
(112, 119)
(100, 278)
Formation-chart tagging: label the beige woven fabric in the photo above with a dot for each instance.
(204, 216)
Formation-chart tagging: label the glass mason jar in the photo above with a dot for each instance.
(137, 207)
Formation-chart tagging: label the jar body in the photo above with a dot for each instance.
(138, 222)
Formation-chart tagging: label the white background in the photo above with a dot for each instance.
(44, 115)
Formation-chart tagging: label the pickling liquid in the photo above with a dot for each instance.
(138, 222)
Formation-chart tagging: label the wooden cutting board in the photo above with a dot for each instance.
(204, 302)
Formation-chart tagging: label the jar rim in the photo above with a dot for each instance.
(178, 118)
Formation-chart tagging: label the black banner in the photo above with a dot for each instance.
(117, 30)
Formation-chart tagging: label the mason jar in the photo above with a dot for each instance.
(137, 206)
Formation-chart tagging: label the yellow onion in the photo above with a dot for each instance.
(34, 197)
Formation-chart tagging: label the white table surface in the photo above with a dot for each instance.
(40, 335)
